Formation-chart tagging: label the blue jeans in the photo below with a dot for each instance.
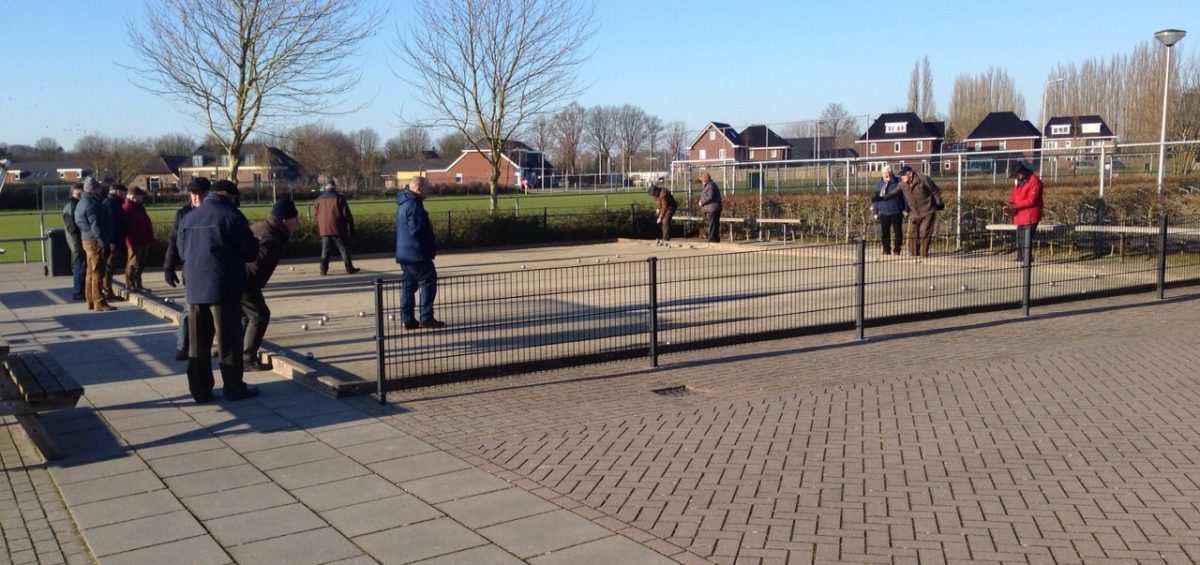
(78, 268)
(181, 339)
(424, 275)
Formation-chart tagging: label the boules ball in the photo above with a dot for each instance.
(304, 327)
(932, 287)
(325, 318)
(308, 355)
(320, 322)
(291, 268)
(391, 317)
(362, 314)
(1051, 283)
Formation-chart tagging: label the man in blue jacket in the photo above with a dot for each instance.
(74, 242)
(415, 250)
(197, 190)
(92, 220)
(710, 204)
(114, 205)
(888, 206)
(215, 242)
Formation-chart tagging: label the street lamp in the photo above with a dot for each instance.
(1168, 37)
(1045, 122)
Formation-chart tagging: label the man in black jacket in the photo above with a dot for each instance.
(75, 242)
(197, 189)
(117, 255)
(273, 234)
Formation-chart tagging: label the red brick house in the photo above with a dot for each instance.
(160, 174)
(518, 161)
(259, 164)
(1069, 139)
(760, 143)
(717, 142)
(46, 172)
(902, 138)
(998, 131)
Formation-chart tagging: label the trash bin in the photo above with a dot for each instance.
(60, 254)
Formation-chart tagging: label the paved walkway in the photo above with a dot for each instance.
(1068, 438)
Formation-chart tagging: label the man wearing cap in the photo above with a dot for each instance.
(197, 190)
(215, 242)
(1025, 206)
(74, 242)
(139, 234)
(415, 251)
(115, 205)
(92, 219)
(710, 204)
(336, 225)
(924, 199)
(273, 234)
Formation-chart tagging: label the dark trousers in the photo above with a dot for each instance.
(1023, 249)
(135, 266)
(255, 318)
(206, 321)
(920, 232)
(891, 225)
(423, 275)
(78, 267)
(714, 226)
(115, 264)
(343, 245)
(666, 224)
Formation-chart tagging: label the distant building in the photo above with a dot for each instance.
(397, 172)
(1070, 139)
(518, 162)
(260, 163)
(160, 174)
(902, 138)
(46, 172)
(718, 142)
(998, 131)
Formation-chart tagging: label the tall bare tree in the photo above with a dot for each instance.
(837, 123)
(568, 128)
(173, 144)
(630, 132)
(677, 139)
(928, 109)
(914, 88)
(493, 65)
(654, 134)
(974, 97)
(602, 132)
(367, 155)
(119, 159)
(242, 63)
(409, 143)
(47, 149)
(451, 145)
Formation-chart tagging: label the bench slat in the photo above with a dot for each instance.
(3, 347)
(55, 380)
(27, 385)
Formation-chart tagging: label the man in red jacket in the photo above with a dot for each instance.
(139, 234)
(1025, 205)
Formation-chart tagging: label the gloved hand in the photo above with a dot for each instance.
(876, 198)
(170, 278)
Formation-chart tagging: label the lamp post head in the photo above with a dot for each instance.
(1170, 37)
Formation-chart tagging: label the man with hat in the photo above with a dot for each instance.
(94, 231)
(273, 234)
(1025, 206)
(924, 199)
(215, 242)
(117, 256)
(139, 234)
(336, 225)
(198, 189)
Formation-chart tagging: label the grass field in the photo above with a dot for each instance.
(24, 224)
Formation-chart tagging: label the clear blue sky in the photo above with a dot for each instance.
(742, 62)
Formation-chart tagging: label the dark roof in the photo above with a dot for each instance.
(726, 129)
(804, 147)
(164, 165)
(1003, 125)
(761, 136)
(915, 128)
(277, 157)
(1076, 122)
(397, 165)
(45, 170)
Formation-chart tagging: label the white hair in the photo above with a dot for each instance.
(886, 169)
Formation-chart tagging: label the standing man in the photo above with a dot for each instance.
(74, 242)
(139, 234)
(336, 225)
(415, 250)
(273, 234)
(92, 220)
(888, 206)
(197, 190)
(924, 199)
(665, 209)
(1025, 205)
(114, 204)
(215, 242)
(710, 204)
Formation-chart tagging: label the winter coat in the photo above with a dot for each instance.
(116, 218)
(922, 195)
(414, 233)
(173, 260)
(74, 241)
(333, 214)
(272, 238)
(92, 219)
(888, 199)
(710, 197)
(215, 242)
(139, 232)
(1026, 199)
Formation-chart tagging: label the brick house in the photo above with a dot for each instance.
(1070, 139)
(259, 164)
(160, 174)
(518, 162)
(823, 147)
(998, 131)
(717, 142)
(46, 172)
(902, 138)
(761, 143)
(397, 172)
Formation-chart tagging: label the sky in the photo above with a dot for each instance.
(741, 62)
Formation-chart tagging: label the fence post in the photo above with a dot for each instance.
(1025, 249)
(545, 221)
(379, 342)
(1162, 255)
(860, 288)
(652, 264)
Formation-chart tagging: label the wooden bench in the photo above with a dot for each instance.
(33, 383)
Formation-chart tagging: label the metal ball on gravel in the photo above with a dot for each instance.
(963, 287)
(291, 268)
(320, 322)
(932, 287)
(308, 355)
(325, 318)
(391, 317)
(522, 266)
(1051, 283)
(362, 314)
(304, 327)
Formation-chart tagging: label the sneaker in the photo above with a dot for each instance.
(255, 365)
(240, 393)
(104, 308)
(432, 324)
(181, 355)
(352, 270)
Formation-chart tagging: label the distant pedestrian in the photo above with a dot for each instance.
(273, 234)
(75, 243)
(139, 234)
(1025, 206)
(665, 206)
(923, 199)
(198, 189)
(336, 225)
(710, 204)
(888, 207)
(216, 243)
(115, 204)
(92, 219)
(415, 251)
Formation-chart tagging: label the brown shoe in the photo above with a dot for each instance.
(104, 308)
(432, 324)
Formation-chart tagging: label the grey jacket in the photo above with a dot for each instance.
(74, 242)
(710, 198)
(92, 219)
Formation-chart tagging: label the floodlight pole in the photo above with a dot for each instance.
(1168, 37)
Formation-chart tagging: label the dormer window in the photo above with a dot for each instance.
(249, 159)
(1064, 129)
(895, 127)
(224, 160)
(197, 160)
(1089, 128)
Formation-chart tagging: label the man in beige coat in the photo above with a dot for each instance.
(924, 199)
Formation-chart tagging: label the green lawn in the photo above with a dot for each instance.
(24, 224)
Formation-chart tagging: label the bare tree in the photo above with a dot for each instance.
(974, 97)
(367, 155)
(119, 159)
(242, 63)
(837, 123)
(173, 144)
(47, 149)
(630, 132)
(914, 88)
(451, 145)
(409, 143)
(654, 133)
(602, 132)
(567, 130)
(677, 139)
(928, 108)
(494, 65)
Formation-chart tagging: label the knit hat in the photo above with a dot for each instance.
(284, 209)
(905, 169)
(1019, 171)
(199, 185)
(90, 184)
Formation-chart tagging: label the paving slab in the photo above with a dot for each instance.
(238, 500)
(496, 507)
(543, 533)
(382, 514)
(263, 524)
(312, 547)
(409, 544)
(455, 485)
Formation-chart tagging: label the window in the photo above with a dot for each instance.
(896, 147)
(876, 166)
(873, 148)
(249, 159)
(946, 165)
(979, 146)
(224, 160)
(721, 154)
(257, 179)
(62, 174)
(895, 127)
(1064, 129)
(197, 160)
(751, 153)
(920, 146)
(1067, 144)
(774, 152)
(1052, 145)
(712, 136)
(1003, 145)
(1089, 128)
(703, 154)
(458, 178)
(153, 184)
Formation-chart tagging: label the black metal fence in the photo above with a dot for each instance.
(604, 310)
